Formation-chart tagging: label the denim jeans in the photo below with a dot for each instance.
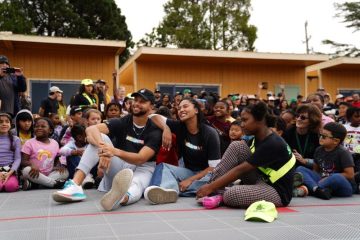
(338, 184)
(168, 176)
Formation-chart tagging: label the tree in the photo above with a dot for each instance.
(350, 11)
(96, 19)
(13, 18)
(204, 24)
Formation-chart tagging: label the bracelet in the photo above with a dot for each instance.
(309, 162)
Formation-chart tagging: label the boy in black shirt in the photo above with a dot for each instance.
(333, 172)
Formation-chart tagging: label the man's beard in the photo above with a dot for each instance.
(140, 113)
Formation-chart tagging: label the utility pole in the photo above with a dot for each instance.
(307, 38)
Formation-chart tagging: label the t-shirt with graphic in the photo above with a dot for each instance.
(130, 138)
(198, 149)
(334, 161)
(352, 139)
(42, 154)
(273, 152)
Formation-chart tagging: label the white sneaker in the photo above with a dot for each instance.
(120, 185)
(88, 182)
(70, 193)
(159, 195)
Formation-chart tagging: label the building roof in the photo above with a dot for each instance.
(10, 41)
(213, 56)
(337, 63)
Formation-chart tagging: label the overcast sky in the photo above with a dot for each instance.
(280, 23)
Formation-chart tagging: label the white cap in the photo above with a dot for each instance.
(251, 97)
(271, 98)
(339, 96)
(55, 89)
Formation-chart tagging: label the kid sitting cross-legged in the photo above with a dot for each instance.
(38, 157)
(333, 171)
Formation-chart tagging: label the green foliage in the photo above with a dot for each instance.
(204, 24)
(96, 19)
(350, 12)
(13, 17)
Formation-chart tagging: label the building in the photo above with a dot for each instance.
(224, 72)
(59, 61)
(339, 75)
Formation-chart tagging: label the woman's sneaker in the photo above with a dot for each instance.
(301, 191)
(159, 195)
(212, 202)
(120, 185)
(70, 193)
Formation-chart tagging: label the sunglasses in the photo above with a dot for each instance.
(325, 136)
(302, 117)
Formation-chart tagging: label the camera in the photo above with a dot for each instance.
(10, 70)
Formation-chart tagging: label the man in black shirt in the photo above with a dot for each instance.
(50, 104)
(129, 165)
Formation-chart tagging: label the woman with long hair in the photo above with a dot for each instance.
(86, 98)
(199, 148)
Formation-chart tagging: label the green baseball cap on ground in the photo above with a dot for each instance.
(261, 211)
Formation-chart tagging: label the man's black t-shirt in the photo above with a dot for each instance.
(50, 106)
(197, 149)
(273, 152)
(131, 139)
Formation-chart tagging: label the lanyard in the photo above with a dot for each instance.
(302, 151)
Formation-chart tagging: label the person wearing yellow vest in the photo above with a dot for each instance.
(86, 98)
(265, 165)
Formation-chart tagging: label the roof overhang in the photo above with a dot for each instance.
(337, 63)
(230, 57)
(11, 41)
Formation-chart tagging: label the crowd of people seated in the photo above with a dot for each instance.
(234, 150)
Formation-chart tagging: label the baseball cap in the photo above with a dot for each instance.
(87, 82)
(75, 110)
(4, 59)
(271, 98)
(339, 96)
(145, 94)
(186, 91)
(100, 81)
(157, 90)
(234, 98)
(251, 97)
(55, 89)
(261, 211)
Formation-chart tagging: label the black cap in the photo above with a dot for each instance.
(145, 94)
(75, 110)
(101, 81)
(4, 59)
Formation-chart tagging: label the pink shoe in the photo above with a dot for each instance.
(212, 202)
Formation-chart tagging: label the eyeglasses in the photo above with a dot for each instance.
(302, 117)
(325, 136)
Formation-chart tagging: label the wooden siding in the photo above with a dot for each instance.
(62, 63)
(333, 79)
(242, 78)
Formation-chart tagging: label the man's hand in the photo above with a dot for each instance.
(166, 138)
(106, 150)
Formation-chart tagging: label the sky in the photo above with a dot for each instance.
(280, 23)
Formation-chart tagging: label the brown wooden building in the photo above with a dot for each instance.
(340, 75)
(63, 62)
(226, 72)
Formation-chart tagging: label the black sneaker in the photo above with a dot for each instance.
(323, 193)
(59, 184)
(26, 185)
(298, 179)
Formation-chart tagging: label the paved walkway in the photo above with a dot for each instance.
(34, 215)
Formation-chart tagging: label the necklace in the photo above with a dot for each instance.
(138, 130)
